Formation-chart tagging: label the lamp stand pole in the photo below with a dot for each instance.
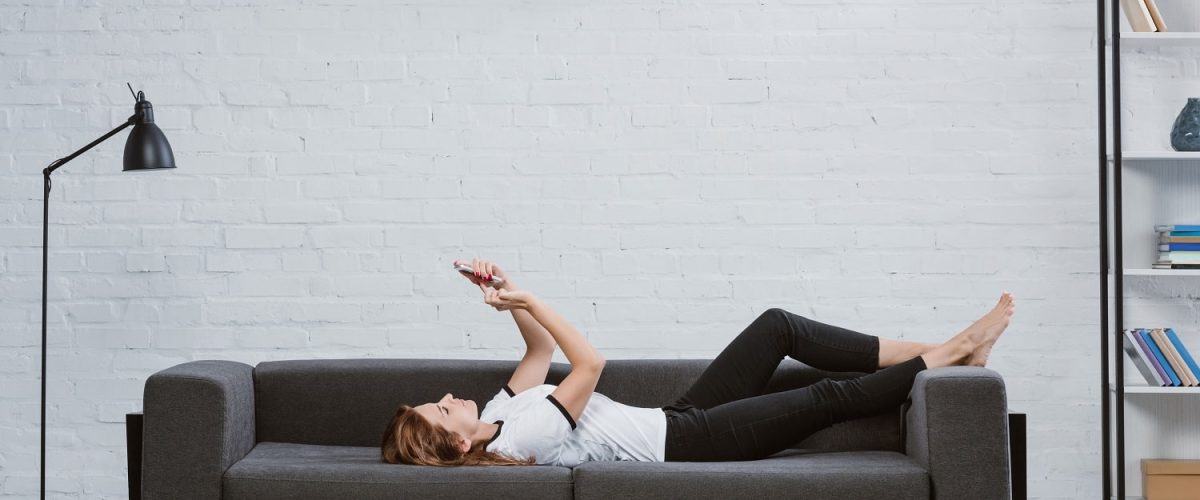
(45, 260)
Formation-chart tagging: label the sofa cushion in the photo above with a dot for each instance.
(304, 471)
(861, 475)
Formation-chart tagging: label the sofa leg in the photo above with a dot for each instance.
(133, 448)
(1016, 450)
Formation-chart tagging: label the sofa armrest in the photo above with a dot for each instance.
(956, 426)
(198, 421)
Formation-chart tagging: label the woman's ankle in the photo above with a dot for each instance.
(952, 353)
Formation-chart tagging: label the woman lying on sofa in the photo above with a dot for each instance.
(723, 416)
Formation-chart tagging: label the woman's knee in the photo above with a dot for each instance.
(784, 317)
(778, 313)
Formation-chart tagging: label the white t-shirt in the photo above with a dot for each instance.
(535, 423)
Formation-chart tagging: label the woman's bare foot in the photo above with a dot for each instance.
(980, 354)
(974, 341)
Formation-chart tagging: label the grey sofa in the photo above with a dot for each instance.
(311, 429)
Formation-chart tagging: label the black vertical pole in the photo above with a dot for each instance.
(1102, 99)
(45, 260)
(1118, 267)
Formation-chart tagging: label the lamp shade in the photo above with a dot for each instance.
(147, 148)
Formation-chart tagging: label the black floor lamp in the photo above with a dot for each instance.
(145, 149)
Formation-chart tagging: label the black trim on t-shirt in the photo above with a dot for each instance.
(561, 409)
(499, 425)
(509, 391)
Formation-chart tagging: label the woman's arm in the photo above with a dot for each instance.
(539, 349)
(586, 363)
(539, 345)
(573, 393)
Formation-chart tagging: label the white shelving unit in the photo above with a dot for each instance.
(1145, 389)
(1134, 39)
(1157, 186)
(1162, 272)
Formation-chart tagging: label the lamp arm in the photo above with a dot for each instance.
(45, 258)
(58, 163)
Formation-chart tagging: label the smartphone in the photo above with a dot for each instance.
(470, 272)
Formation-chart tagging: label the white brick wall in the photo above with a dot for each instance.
(645, 167)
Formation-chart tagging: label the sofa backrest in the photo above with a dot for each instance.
(348, 402)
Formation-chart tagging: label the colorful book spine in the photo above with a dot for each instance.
(1179, 247)
(1177, 227)
(1163, 238)
(1163, 379)
(1180, 257)
(1187, 356)
(1164, 345)
(1141, 359)
(1158, 356)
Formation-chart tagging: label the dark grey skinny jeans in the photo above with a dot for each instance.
(725, 416)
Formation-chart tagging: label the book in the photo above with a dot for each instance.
(1138, 15)
(1174, 266)
(1187, 356)
(1179, 247)
(1158, 356)
(1178, 239)
(1179, 257)
(1164, 380)
(1156, 16)
(1141, 359)
(1177, 228)
(1164, 345)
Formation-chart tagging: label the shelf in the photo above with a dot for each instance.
(1153, 39)
(1162, 272)
(1157, 155)
(1145, 389)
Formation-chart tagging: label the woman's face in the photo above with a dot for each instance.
(455, 415)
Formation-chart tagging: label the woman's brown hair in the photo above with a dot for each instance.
(410, 439)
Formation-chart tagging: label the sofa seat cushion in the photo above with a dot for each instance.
(304, 471)
(792, 473)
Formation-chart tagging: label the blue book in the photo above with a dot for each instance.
(1177, 227)
(1158, 355)
(1183, 352)
(1178, 247)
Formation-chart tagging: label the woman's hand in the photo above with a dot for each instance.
(483, 273)
(504, 300)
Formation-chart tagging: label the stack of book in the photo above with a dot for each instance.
(1143, 15)
(1161, 357)
(1178, 246)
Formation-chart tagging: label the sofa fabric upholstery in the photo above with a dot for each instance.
(310, 429)
(787, 474)
(289, 471)
(198, 421)
(958, 430)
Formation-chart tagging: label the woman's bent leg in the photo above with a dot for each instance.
(743, 368)
(760, 426)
